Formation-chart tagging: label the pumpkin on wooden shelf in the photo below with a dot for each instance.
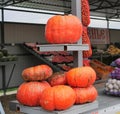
(58, 97)
(61, 29)
(81, 76)
(85, 12)
(37, 73)
(58, 78)
(29, 93)
(85, 95)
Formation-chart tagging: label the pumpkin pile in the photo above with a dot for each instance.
(29, 92)
(61, 90)
(81, 79)
(45, 88)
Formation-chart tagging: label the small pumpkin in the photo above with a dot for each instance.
(37, 73)
(63, 29)
(57, 78)
(58, 97)
(85, 95)
(85, 12)
(29, 93)
(81, 76)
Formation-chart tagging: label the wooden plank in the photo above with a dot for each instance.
(75, 109)
(63, 47)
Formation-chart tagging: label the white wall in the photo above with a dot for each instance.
(41, 18)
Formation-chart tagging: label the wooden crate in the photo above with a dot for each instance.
(102, 70)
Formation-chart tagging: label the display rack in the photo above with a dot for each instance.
(53, 48)
(105, 104)
(55, 67)
(63, 47)
(65, 6)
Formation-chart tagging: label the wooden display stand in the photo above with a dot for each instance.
(77, 52)
(105, 104)
(75, 109)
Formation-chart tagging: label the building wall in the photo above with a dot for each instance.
(114, 35)
(18, 34)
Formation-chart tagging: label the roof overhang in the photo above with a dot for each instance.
(105, 8)
(109, 9)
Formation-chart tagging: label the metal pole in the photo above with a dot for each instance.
(108, 24)
(76, 10)
(2, 46)
(2, 27)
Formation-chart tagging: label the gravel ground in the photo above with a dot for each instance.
(5, 103)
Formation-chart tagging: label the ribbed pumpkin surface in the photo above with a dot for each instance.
(29, 93)
(85, 95)
(81, 76)
(63, 29)
(37, 73)
(59, 97)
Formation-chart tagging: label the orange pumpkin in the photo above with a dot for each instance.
(85, 12)
(57, 78)
(63, 29)
(58, 97)
(37, 73)
(92, 93)
(86, 40)
(85, 95)
(29, 93)
(81, 76)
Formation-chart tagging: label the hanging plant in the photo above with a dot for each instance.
(85, 12)
(86, 40)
